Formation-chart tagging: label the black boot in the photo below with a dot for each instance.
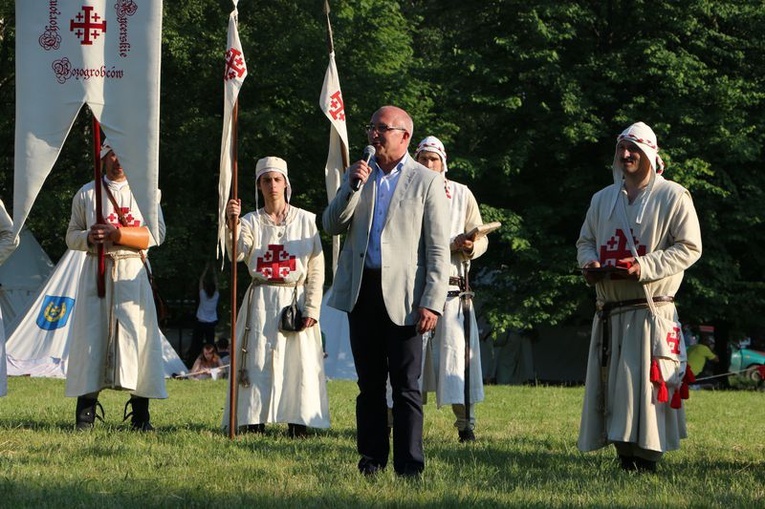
(140, 414)
(297, 430)
(85, 414)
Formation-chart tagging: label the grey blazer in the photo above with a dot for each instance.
(414, 243)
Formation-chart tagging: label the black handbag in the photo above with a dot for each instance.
(291, 318)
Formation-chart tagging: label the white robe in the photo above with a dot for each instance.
(444, 359)
(7, 244)
(668, 238)
(116, 342)
(285, 371)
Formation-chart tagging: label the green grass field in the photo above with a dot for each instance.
(525, 456)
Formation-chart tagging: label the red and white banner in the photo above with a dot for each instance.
(235, 71)
(103, 53)
(331, 102)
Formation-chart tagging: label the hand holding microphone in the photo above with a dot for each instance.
(367, 155)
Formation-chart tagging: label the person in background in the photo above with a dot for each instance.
(207, 313)
(648, 228)
(700, 353)
(444, 367)
(207, 361)
(116, 342)
(281, 373)
(8, 243)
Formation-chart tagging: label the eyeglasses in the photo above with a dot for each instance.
(382, 128)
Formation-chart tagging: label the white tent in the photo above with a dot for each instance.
(39, 345)
(338, 364)
(21, 276)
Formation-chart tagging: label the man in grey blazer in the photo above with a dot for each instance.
(391, 279)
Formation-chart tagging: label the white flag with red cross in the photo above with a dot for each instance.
(103, 53)
(331, 102)
(235, 71)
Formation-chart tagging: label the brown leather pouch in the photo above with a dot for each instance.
(136, 237)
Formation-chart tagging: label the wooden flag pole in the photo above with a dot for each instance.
(101, 284)
(331, 49)
(234, 226)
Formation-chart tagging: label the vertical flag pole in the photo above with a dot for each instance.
(233, 379)
(101, 268)
(331, 47)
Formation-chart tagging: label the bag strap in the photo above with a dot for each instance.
(117, 209)
(622, 209)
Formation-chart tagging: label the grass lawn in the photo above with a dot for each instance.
(525, 456)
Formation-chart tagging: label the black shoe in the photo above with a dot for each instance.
(86, 413)
(297, 430)
(140, 414)
(255, 428)
(628, 463)
(369, 468)
(466, 435)
(644, 465)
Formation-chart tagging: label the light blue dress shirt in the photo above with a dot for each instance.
(385, 186)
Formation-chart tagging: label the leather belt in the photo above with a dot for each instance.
(607, 307)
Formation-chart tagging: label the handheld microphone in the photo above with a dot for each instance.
(367, 155)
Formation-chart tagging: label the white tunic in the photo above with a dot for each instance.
(7, 244)
(444, 359)
(116, 342)
(668, 238)
(285, 371)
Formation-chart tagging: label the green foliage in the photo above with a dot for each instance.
(525, 456)
(527, 96)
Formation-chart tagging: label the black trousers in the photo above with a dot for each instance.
(381, 348)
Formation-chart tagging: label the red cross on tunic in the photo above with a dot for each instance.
(130, 220)
(87, 26)
(673, 340)
(235, 67)
(617, 248)
(276, 263)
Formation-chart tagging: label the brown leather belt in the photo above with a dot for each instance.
(604, 311)
(607, 307)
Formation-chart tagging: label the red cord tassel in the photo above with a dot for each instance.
(663, 395)
(677, 402)
(655, 372)
(689, 378)
(684, 392)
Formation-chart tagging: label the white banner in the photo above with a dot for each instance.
(103, 53)
(235, 72)
(331, 102)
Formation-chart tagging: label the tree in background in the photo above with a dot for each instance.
(528, 96)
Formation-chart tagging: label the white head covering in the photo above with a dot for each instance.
(105, 148)
(644, 137)
(273, 163)
(432, 144)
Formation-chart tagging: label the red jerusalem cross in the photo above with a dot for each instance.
(673, 340)
(87, 26)
(616, 248)
(336, 106)
(276, 263)
(235, 67)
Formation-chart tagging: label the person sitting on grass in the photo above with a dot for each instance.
(207, 361)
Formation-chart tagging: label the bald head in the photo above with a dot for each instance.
(392, 136)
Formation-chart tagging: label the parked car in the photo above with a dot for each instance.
(751, 363)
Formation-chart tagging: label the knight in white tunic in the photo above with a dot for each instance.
(444, 359)
(281, 374)
(8, 243)
(116, 342)
(623, 404)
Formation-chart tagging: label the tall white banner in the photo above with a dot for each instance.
(235, 71)
(331, 102)
(103, 53)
